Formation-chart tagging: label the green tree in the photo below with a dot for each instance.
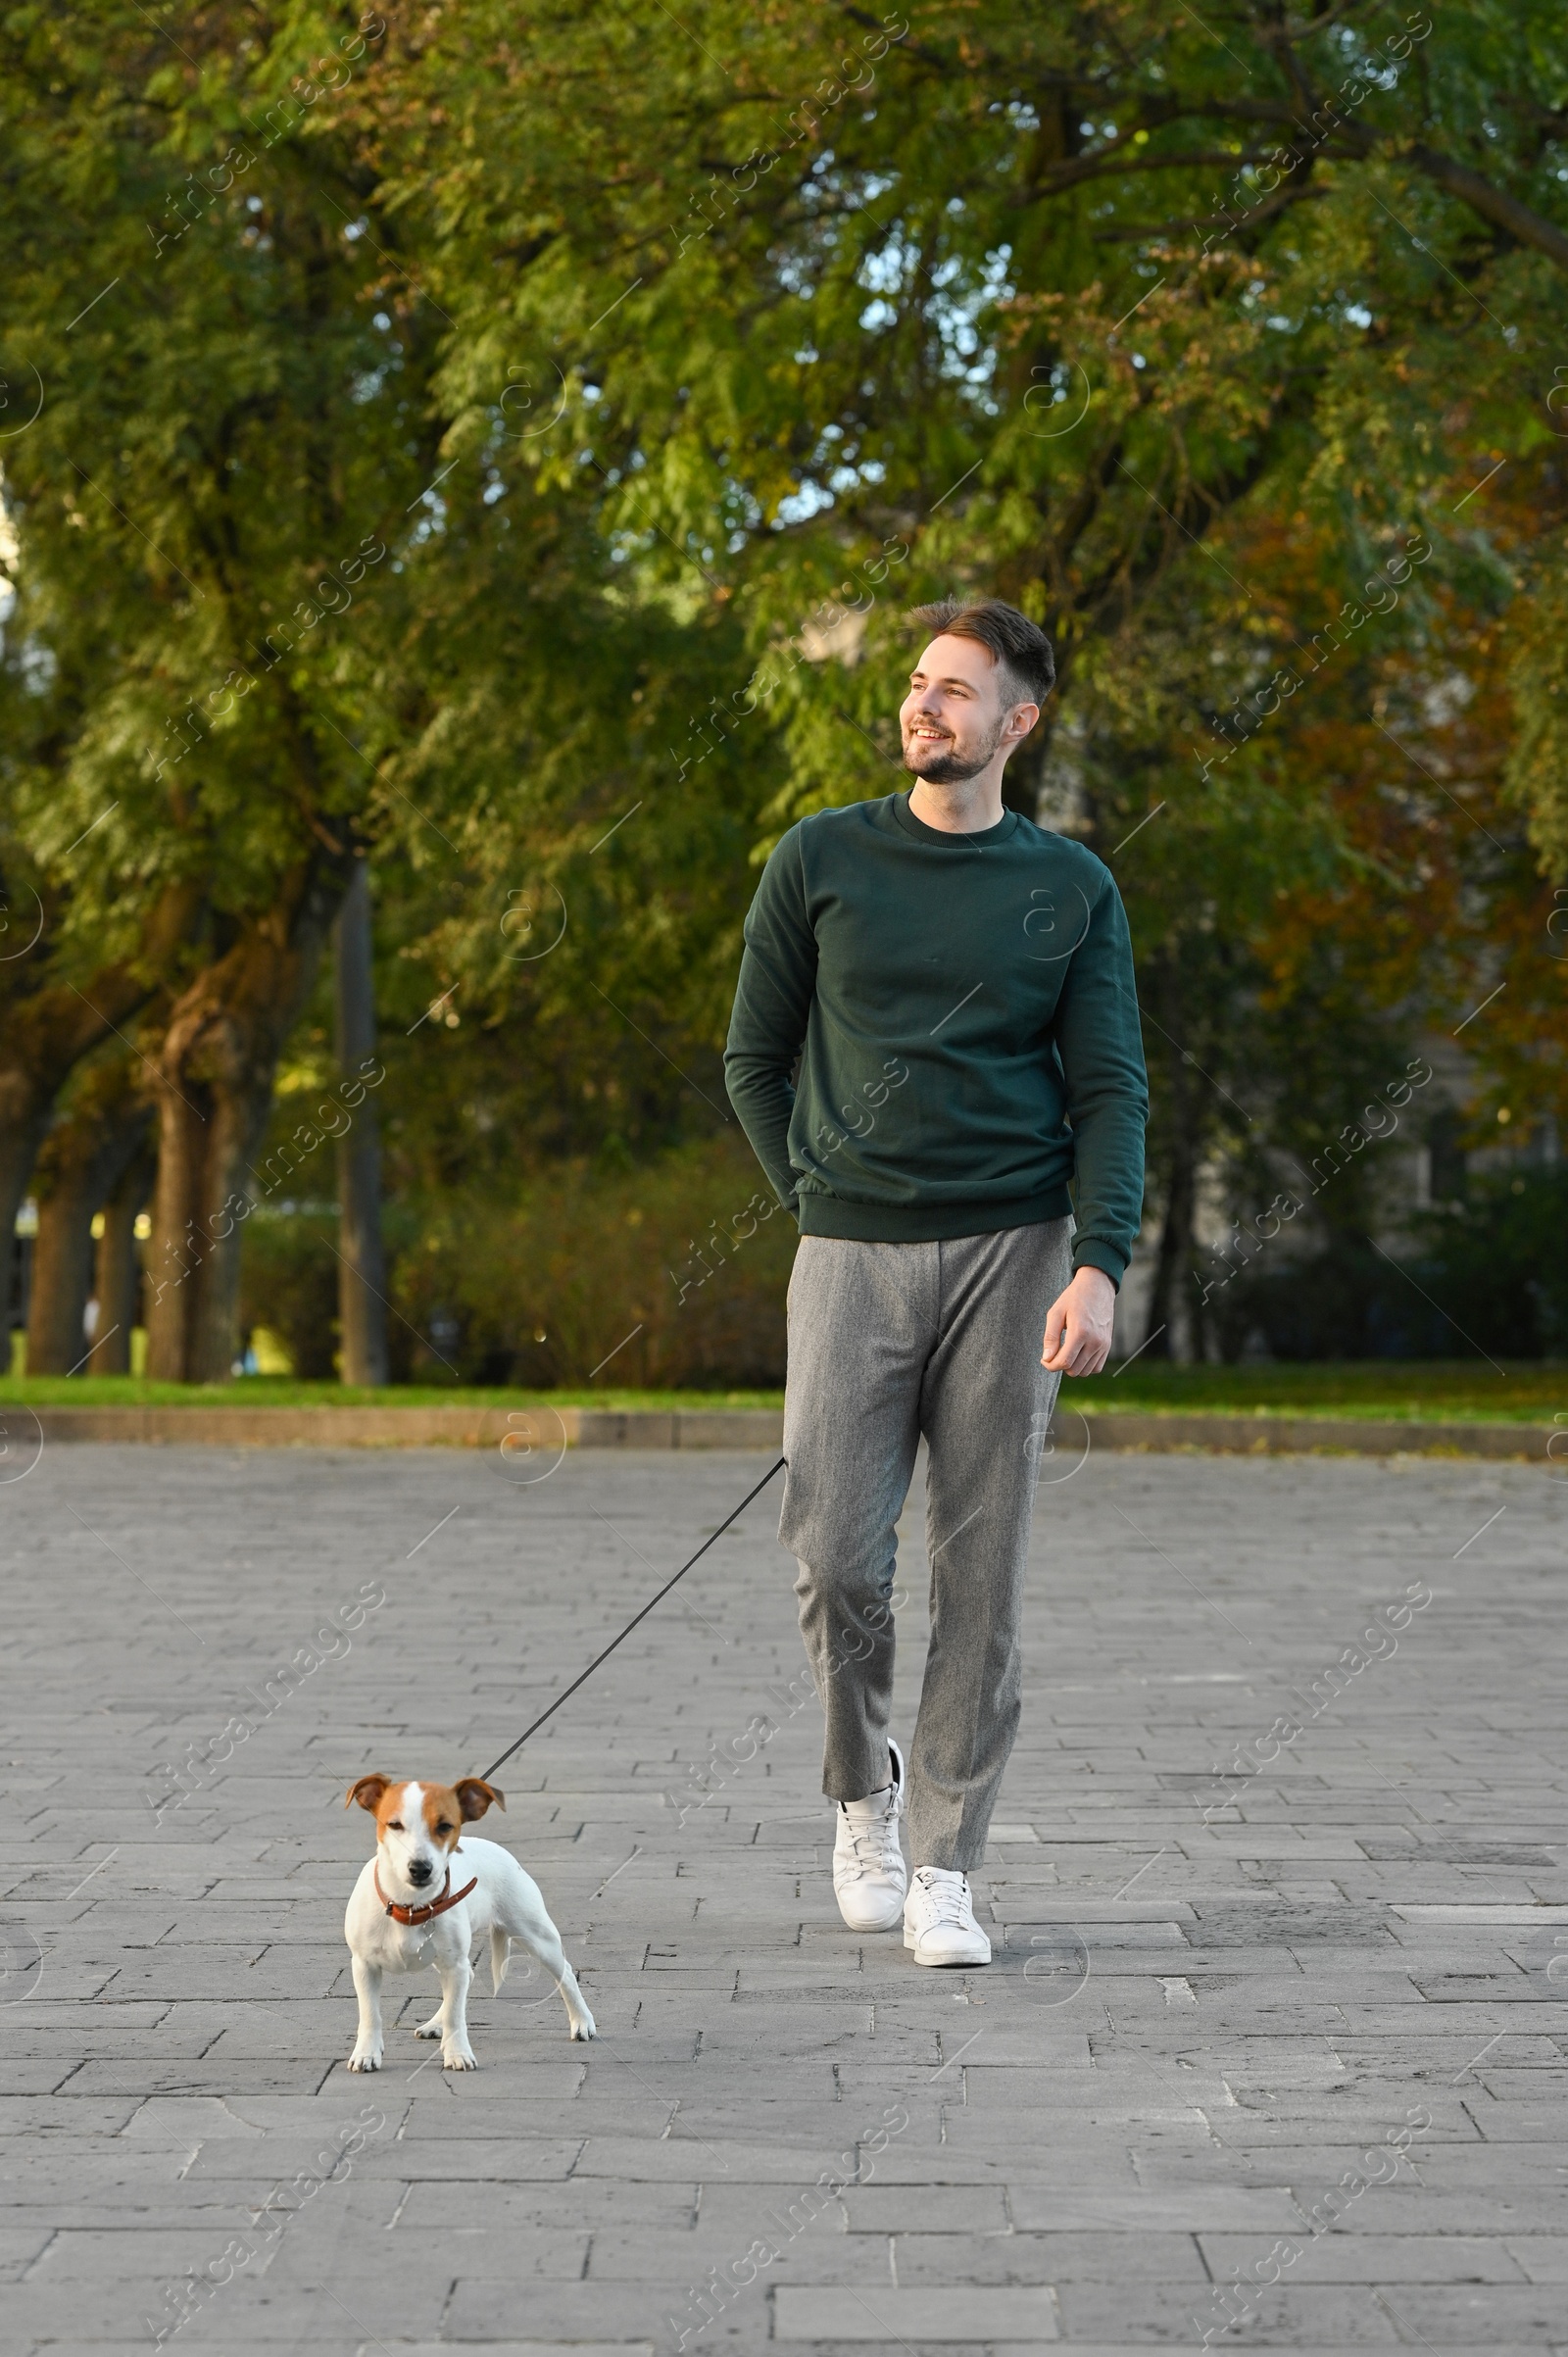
(206, 510)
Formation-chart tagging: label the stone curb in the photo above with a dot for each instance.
(526, 1429)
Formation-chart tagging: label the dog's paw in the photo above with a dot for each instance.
(432, 2029)
(365, 2058)
(457, 2058)
(585, 2028)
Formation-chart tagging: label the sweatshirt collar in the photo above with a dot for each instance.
(908, 823)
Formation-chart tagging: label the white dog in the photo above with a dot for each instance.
(402, 1915)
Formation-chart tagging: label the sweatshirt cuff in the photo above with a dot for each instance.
(1103, 1257)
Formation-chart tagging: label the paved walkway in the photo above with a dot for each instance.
(1278, 2046)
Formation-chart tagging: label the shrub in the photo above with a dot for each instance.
(1496, 1263)
(288, 1284)
(670, 1276)
(1486, 1274)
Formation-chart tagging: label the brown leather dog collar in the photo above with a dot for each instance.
(438, 1906)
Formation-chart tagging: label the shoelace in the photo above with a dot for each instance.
(882, 1838)
(950, 1899)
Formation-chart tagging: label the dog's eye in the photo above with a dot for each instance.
(443, 1827)
(395, 1826)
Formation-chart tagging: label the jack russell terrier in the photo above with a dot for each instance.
(391, 1927)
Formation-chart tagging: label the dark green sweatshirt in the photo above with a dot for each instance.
(965, 1015)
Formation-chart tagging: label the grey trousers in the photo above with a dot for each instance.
(888, 1342)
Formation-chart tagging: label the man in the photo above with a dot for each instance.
(957, 985)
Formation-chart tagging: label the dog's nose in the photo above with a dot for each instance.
(421, 1871)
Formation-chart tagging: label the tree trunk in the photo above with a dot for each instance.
(1170, 1312)
(79, 1164)
(62, 1269)
(181, 1154)
(24, 1107)
(46, 1027)
(116, 1279)
(1172, 1301)
(214, 1085)
(362, 1265)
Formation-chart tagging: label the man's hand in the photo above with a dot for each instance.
(1078, 1325)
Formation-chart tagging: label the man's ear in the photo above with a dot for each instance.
(367, 1792)
(475, 1796)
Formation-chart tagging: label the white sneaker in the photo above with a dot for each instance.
(868, 1873)
(939, 1920)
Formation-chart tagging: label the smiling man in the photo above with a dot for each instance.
(957, 986)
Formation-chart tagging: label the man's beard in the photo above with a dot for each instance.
(954, 768)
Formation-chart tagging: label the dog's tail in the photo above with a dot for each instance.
(500, 1959)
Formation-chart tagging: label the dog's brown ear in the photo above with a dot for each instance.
(475, 1796)
(367, 1792)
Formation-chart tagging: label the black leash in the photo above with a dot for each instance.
(631, 1624)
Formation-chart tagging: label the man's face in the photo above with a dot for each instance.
(953, 717)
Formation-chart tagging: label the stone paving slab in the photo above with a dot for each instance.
(1194, 2034)
(930, 2314)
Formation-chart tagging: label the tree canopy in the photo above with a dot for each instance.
(507, 448)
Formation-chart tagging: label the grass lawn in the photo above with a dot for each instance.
(1435, 1390)
(282, 1391)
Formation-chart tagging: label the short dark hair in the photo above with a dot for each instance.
(1020, 647)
